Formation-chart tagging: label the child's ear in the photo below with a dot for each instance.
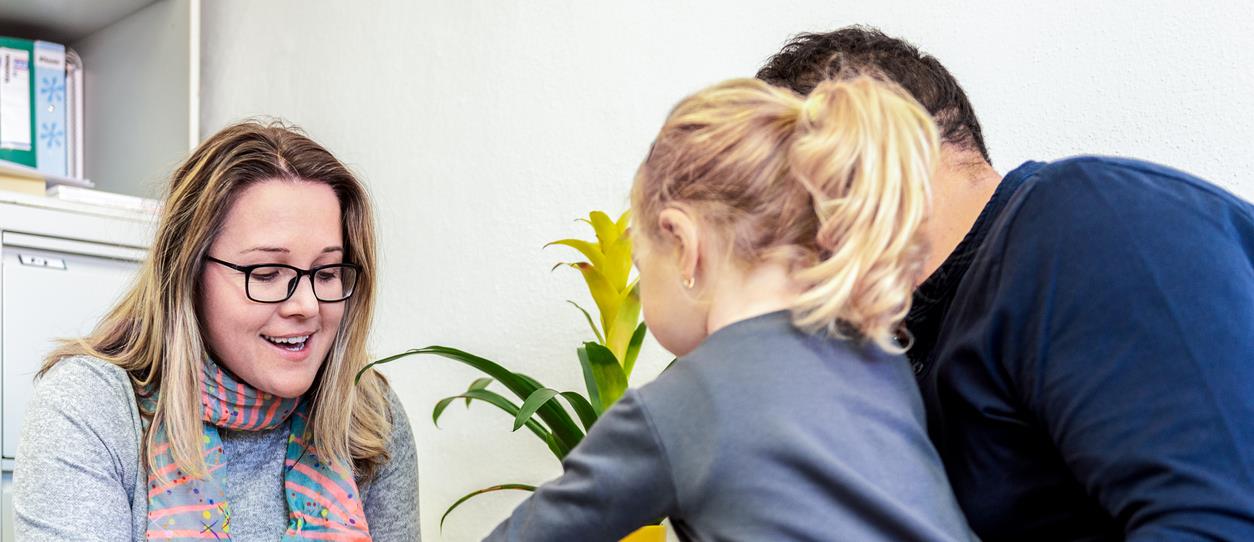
(680, 228)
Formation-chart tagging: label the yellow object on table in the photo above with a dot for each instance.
(650, 533)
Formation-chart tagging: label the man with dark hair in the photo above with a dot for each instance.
(1084, 341)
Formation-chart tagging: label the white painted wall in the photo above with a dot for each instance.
(485, 127)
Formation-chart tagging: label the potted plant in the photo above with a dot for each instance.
(606, 362)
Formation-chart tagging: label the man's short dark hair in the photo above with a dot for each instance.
(810, 58)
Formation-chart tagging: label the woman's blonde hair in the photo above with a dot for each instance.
(835, 184)
(154, 333)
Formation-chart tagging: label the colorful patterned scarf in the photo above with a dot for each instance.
(322, 499)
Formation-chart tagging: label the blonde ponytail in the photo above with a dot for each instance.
(865, 151)
(836, 185)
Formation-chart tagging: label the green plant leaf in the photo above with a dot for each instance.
(633, 349)
(587, 415)
(603, 376)
(556, 447)
(441, 405)
(472, 494)
(389, 359)
(618, 335)
(589, 250)
(590, 380)
(533, 403)
(591, 323)
(509, 407)
(563, 419)
(533, 382)
(478, 384)
(564, 429)
(490, 398)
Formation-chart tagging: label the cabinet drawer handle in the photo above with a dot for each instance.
(40, 261)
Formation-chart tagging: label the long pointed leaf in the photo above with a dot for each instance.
(510, 408)
(563, 419)
(602, 368)
(556, 418)
(532, 404)
(633, 349)
(587, 415)
(440, 407)
(590, 380)
(472, 494)
(591, 323)
(493, 369)
(389, 359)
(617, 263)
(603, 293)
(564, 428)
(605, 229)
(589, 250)
(624, 220)
(478, 384)
(529, 380)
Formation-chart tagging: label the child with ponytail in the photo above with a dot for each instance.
(777, 244)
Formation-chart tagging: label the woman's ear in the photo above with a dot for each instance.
(680, 227)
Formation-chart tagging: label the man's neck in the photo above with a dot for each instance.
(961, 188)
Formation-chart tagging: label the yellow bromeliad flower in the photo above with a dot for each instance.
(607, 273)
(606, 363)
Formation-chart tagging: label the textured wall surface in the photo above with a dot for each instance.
(484, 128)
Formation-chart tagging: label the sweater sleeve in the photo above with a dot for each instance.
(77, 456)
(615, 481)
(392, 502)
(1133, 309)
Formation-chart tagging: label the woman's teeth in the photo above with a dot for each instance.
(294, 344)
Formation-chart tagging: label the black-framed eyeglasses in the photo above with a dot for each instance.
(276, 282)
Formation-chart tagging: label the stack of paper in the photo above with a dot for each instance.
(104, 199)
(28, 180)
(15, 178)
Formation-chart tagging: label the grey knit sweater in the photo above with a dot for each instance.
(761, 433)
(79, 477)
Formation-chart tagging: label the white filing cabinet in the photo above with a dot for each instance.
(62, 266)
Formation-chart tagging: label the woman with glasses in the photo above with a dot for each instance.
(217, 399)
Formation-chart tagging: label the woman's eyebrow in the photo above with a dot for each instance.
(281, 250)
(266, 249)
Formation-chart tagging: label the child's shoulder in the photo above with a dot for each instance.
(770, 372)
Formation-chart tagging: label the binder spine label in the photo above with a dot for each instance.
(15, 110)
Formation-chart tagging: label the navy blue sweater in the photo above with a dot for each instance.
(1086, 357)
